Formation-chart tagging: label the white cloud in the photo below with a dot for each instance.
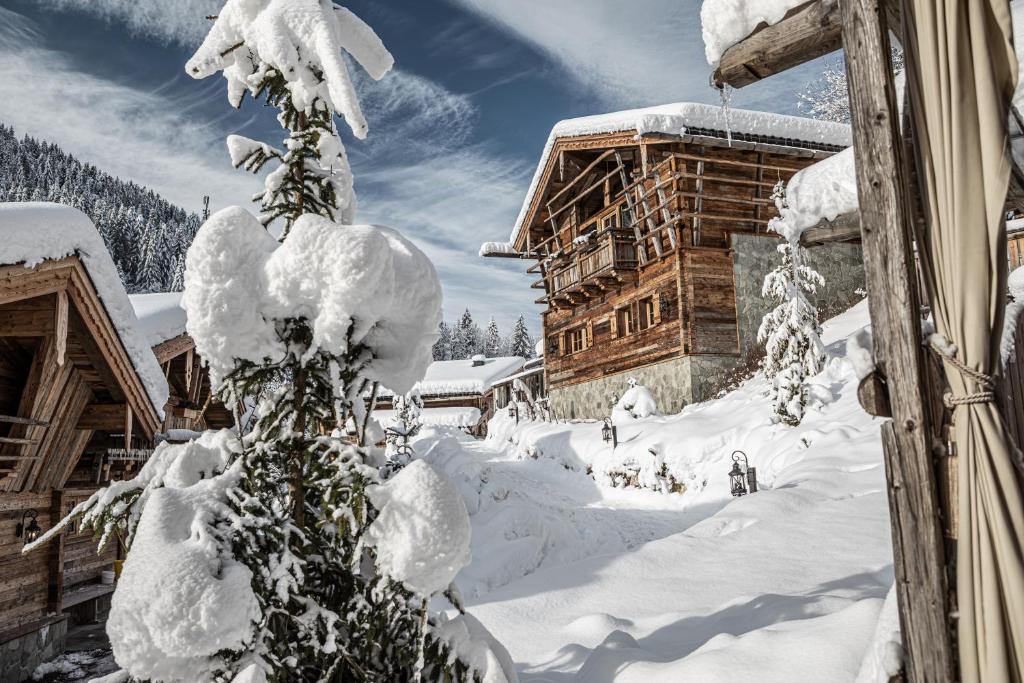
(415, 171)
(177, 21)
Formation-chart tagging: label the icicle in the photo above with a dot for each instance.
(725, 93)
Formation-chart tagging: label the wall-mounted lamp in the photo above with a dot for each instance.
(30, 531)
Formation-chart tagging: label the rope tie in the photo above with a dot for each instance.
(947, 352)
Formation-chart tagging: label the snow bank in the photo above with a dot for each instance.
(473, 643)
(676, 119)
(161, 316)
(727, 22)
(461, 377)
(1007, 342)
(785, 584)
(239, 280)
(442, 417)
(421, 533)
(33, 232)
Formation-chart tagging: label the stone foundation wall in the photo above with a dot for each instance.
(674, 384)
(20, 655)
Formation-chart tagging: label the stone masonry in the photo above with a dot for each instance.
(20, 655)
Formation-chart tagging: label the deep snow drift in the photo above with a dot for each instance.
(585, 582)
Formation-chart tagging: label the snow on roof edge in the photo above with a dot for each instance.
(34, 232)
(674, 119)
(462, 378)
(160, 315)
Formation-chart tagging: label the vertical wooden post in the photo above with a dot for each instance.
(60, 327)
(908, 441)
(55, 592)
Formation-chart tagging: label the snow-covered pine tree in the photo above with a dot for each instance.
(492, 340)
(443, 346)
(300, 563)
(519, 341)
(466, 340)
(827, 97)
(790, 332)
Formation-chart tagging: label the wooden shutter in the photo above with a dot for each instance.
(561, 344)
(588, 341)
(615, 323)
(656, 309)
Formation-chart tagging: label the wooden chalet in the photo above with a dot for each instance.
(648, 228)
(457, 393)
(83, 399)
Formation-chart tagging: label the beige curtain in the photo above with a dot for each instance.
(961, 71)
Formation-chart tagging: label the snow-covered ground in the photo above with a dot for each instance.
(583, 581)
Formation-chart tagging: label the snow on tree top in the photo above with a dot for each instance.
(677, 119)
(462, 377)
(33, 232)
(160, 315)
(727, 22)
(302, 37)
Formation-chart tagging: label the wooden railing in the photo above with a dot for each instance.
(615, 250)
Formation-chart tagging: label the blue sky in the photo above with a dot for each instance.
(455, 130)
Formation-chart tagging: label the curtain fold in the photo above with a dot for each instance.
(961, 72)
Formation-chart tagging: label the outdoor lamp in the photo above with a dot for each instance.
(31, 531)
(513, 411)
(742, 481)
(736, 479)
(609, 433)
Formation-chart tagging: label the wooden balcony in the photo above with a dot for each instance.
(607, 261)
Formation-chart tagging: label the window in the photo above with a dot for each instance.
(636, 316)
(574, 340)
(610, 221)
(626, 320)
(646, 310)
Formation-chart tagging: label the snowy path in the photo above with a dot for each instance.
(583, 582)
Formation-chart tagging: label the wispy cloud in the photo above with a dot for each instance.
(179, 21)
(417, 171)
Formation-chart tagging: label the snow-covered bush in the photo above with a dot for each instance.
(790, 332)
(638, 402)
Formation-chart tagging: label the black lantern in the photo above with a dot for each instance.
(609, 432)
(742, 480)
(513, 411)
(31, 531)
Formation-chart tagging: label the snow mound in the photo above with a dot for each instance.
(824, 190)
(33, 232)
(727, 22)
(637, 402)
(367, 280)
(422, 532)
(206, 604)
(473, 643)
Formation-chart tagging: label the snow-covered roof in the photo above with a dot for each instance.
(161, 316)
(33, 232)
(727, 22)
(461, 377)
(457, 416)
(497, 249)
(679, 118)
(1014, 225)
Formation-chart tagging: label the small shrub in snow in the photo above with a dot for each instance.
(790, 332)
(638, 402)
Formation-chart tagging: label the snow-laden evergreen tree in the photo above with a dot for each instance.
(520, 343)
(443, 346)
(305, 564)
(466, 338)
(492, 340)
(146, 236)
(827, 97)
(790, 332)
(403, 428)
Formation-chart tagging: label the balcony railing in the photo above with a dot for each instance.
(614, 250)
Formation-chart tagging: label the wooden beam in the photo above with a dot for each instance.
(805, 33)
(172, 348)
(890, 273)
(60, 324)
(103, 416)
(13, 419)
(17, 441)
(845, 228)
(55, 560)
(128, 426)
(26, 323)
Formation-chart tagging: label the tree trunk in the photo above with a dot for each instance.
(295, 485)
